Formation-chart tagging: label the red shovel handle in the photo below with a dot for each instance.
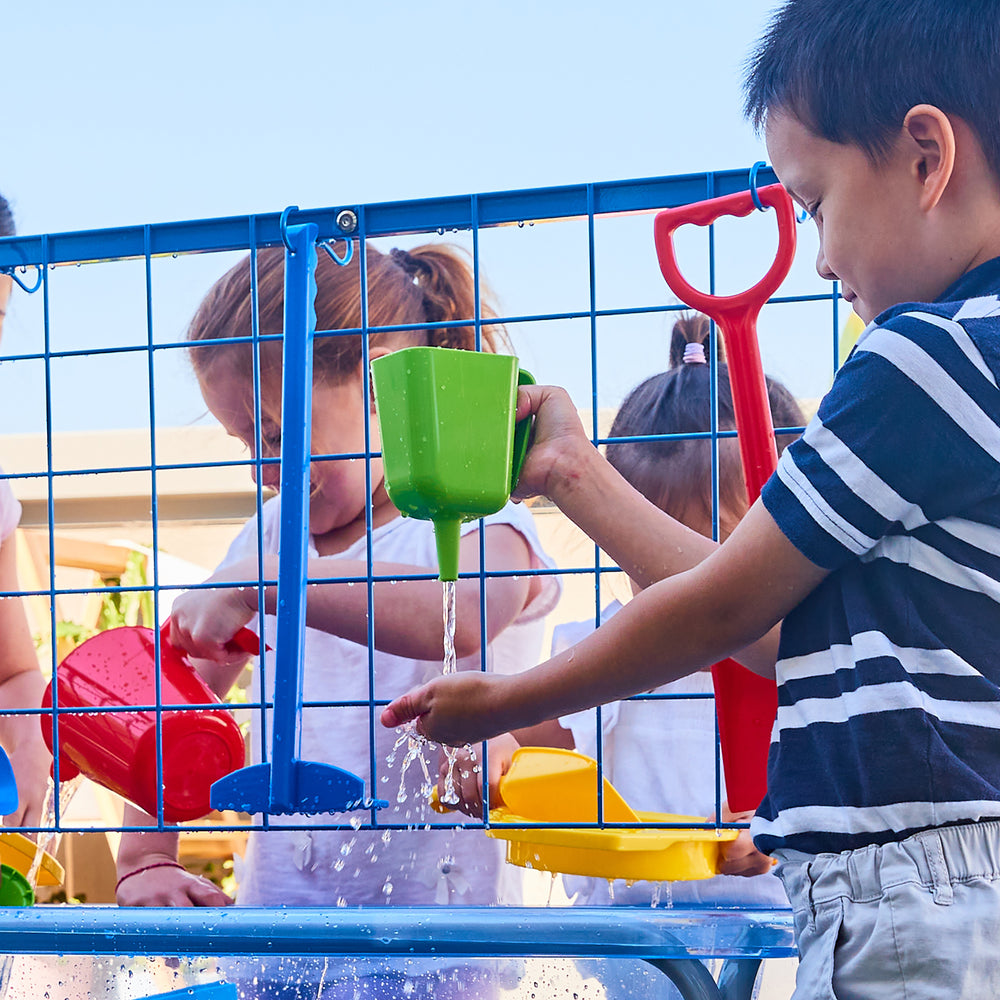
(745, 704)
(703, 213)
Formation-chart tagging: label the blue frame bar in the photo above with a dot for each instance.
(480, 931)
(380, 219)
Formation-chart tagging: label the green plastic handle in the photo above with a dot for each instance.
(522, 434)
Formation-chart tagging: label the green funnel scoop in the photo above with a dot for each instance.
(450, 448)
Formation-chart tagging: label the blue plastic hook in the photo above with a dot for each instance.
(348, 253)
(283, 225)
(753, 186)
(799, 216)
(12, 272)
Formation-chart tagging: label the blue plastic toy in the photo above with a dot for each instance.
(205, 991)
(8, 786)
(286, 785)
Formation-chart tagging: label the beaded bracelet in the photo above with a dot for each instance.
(139, 871)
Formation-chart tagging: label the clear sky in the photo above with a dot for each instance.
(124, 112)
(131, 112)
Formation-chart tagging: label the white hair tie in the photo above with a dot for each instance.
(694, 354)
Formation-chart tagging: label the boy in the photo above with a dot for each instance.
(877, 541)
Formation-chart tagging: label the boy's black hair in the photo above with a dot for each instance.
(849, 70)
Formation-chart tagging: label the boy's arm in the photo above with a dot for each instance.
(643, 540)
(21, 686)
(667, 631)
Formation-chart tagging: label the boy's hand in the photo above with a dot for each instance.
(168, 885)
(456, 709)
(739, 856)
(202, 622)
(559, 442)
(469, 775)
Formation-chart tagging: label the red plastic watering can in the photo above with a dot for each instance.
(117, 749)
(745, 702)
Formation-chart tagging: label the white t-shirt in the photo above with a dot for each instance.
(374, 867)
(10, 510)
(661, 757)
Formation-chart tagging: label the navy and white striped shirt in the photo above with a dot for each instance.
(889, 672)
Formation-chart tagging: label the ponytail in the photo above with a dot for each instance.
(446, 283)
(692, 328)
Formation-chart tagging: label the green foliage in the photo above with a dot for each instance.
(125, 607)
(128, 607)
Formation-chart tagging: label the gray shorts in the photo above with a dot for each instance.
(914, 920)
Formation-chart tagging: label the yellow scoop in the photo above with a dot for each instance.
(18, 852)
(549, 785)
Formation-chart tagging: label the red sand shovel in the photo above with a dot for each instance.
(745, 702)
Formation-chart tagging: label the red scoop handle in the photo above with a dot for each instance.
(243, 642)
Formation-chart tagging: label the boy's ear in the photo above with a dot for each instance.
(931, 130)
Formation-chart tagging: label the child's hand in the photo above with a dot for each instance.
(165, 883)
(739, 856)
(202, 622)
(456, 709)
(469, 778)
(31, 761)
(558, 440)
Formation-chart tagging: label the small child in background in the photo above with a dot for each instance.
(430, 284)
(21, 679)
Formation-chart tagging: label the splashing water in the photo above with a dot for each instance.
(415, 743)
(48, 840)
(413, 740)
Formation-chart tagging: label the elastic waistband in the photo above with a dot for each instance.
(936, 859)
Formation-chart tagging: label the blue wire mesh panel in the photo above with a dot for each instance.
(113, 442)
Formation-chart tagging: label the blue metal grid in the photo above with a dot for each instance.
(473, 214)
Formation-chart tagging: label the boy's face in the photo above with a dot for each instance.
(873, 237)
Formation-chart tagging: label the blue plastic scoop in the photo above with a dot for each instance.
(286, 785)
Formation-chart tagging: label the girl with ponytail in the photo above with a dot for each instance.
(424, 296)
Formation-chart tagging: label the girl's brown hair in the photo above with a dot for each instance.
(430, 284)
(676, 475)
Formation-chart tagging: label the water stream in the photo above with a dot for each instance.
(450, 796)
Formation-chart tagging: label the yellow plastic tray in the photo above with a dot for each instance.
(658, 855)
(547, 785)
(18, 851)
